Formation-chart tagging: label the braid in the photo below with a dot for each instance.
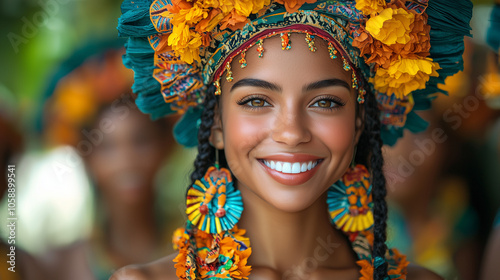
(206, 153)
(370, 153)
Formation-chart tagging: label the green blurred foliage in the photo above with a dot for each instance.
(37, 35)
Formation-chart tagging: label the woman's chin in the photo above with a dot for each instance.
(290, 201)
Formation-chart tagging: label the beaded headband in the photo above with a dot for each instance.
(397, 50)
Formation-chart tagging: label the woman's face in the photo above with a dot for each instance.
(288, 123)
(125, 162)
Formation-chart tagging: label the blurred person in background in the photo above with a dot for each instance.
(92, 110)
(23, 266)
(491, 269)
(430, 216)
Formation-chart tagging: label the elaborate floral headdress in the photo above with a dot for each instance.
(397, 50)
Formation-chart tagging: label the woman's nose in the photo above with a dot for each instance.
(290, 127)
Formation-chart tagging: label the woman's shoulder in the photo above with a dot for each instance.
(419, 273)
(162, 269)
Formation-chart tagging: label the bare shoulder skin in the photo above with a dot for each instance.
(162, 269)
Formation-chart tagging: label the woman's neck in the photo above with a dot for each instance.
(293, 243)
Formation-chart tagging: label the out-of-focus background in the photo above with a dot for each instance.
(85, 204)
(443, 185)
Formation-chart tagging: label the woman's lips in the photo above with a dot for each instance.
(291, 169)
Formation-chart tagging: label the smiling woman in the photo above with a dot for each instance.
(289, 102)
(291, 119)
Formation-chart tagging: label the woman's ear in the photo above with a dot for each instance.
(359, 122)
(216, 134)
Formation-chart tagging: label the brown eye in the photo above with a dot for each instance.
(257, 102)
(329, 103)
(325, 104)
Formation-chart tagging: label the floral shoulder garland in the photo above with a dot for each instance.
(220, 256)
(224, 256)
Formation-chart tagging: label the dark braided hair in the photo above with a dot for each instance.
(206, 153)
(369, 153)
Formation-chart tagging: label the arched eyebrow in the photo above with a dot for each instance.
(256, 83)
(327, 83)
(274, 87)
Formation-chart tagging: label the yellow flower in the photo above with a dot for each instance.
(179, 37)
(179, 238)
(391, 26)
(404, 76)
(247, 7)
(369, 7)
(210, 4)
(189, 16)
(226, 6)
(185, 42)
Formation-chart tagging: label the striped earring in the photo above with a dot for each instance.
(213, 204)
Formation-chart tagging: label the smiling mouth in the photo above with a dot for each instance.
(291, 173)
(291, 167)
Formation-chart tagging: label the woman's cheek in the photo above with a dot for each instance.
(336, 133)
(245, 131)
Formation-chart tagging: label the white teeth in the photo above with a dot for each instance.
(287, 167)
(291, 167)
(296, 167)
(278, 166)
(303, 167)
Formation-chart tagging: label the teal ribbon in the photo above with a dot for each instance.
(378, 262)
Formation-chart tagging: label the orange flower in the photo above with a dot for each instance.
(374, 50)
(230, 248)
(402, 264)
(179, 238)
(366, 269)
(205, 39)
(178, 5)
(203, 239)
(239, 234)
(294, 5)
(210, 22)
(383, 55)
(240, 269)
(233, 21)
(184, 262)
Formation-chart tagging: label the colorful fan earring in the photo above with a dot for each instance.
(213, 203)
(350, 201)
